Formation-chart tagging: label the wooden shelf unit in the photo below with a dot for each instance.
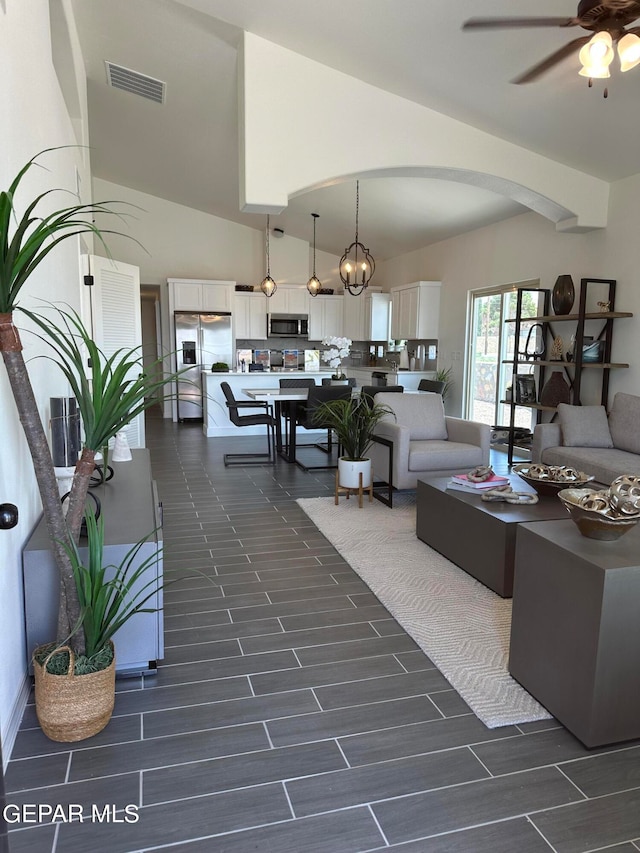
(572, 369)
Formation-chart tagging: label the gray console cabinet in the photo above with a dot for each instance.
(131, 511)
(575, 632)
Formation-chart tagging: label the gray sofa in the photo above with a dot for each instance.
(587, 439)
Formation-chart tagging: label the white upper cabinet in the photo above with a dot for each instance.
(288, 299)
(415, 310)
(366, 317)
(354, 317)
(200, 294)
(325, 317)
(377, 317)
(250, 315)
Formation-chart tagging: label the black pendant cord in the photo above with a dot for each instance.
(315, 216)
(266, 243)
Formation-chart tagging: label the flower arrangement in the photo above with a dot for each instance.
(339, 349)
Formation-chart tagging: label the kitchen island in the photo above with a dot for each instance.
(409, 379)
(216, 418)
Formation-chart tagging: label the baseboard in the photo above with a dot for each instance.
(15, 717)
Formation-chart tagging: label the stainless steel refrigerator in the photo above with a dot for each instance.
(201, 340)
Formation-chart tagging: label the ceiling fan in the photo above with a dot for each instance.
(607, 19)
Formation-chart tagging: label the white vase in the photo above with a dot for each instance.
(349, 473)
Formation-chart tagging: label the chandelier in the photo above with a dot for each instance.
(356, 265)
(314, 284)
(268, 285)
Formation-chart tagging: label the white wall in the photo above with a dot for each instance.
(37, 118)
(408, 139)
(184, 243)
(528, 248)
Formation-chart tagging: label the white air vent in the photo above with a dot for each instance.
(136, 83)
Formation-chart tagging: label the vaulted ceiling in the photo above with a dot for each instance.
(186, 150)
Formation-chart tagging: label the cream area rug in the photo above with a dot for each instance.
(459, 623)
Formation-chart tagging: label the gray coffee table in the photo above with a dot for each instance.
(478, 536)
(575, 631)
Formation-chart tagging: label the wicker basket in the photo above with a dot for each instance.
(73, 707)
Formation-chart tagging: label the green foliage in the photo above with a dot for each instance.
(33, 236)
(445, 374)
(58, 663)
(108, 398)
(353, 422)
(106, 605)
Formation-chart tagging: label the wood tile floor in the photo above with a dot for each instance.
(292, 714)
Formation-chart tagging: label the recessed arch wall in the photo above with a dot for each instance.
(295, 134)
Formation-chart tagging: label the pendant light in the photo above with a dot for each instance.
(268, 285)
(356, 265)
(314, 285)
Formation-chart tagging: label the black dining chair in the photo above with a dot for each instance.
(369, 391)
(288, 407)
(432, 385)
(263, 418)
(351, 382)
(306, 417)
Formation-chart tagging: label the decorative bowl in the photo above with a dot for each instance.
(551, 479)
(594, 516)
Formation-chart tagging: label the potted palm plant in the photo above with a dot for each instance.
(353, 422)
(108, 398)
(74, 697)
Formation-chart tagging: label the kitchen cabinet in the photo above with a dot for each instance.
(250, 316)
(200, 295)
(288, 299)
(366, 317)
(325, 317)
(415, 311)
(354, 317)
(409, 379)
(377, 317)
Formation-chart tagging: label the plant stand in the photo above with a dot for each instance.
(360, 490)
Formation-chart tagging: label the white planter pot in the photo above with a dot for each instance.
(339, 381)
(349, 471)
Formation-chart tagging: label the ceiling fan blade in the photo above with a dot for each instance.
(535, 72)
(508, 23)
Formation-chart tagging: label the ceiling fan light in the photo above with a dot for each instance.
(629, 51)
(595, 72)
(599, 51)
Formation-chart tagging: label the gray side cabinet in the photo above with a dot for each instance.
(131, 511)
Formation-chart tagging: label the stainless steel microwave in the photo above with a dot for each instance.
(287, 326)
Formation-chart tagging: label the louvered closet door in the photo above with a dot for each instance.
(116, 319)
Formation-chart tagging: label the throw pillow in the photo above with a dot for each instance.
(623, 422)
(584, 426)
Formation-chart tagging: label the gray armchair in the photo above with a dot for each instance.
(425, 441)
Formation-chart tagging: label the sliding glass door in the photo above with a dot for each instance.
(490, 346)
